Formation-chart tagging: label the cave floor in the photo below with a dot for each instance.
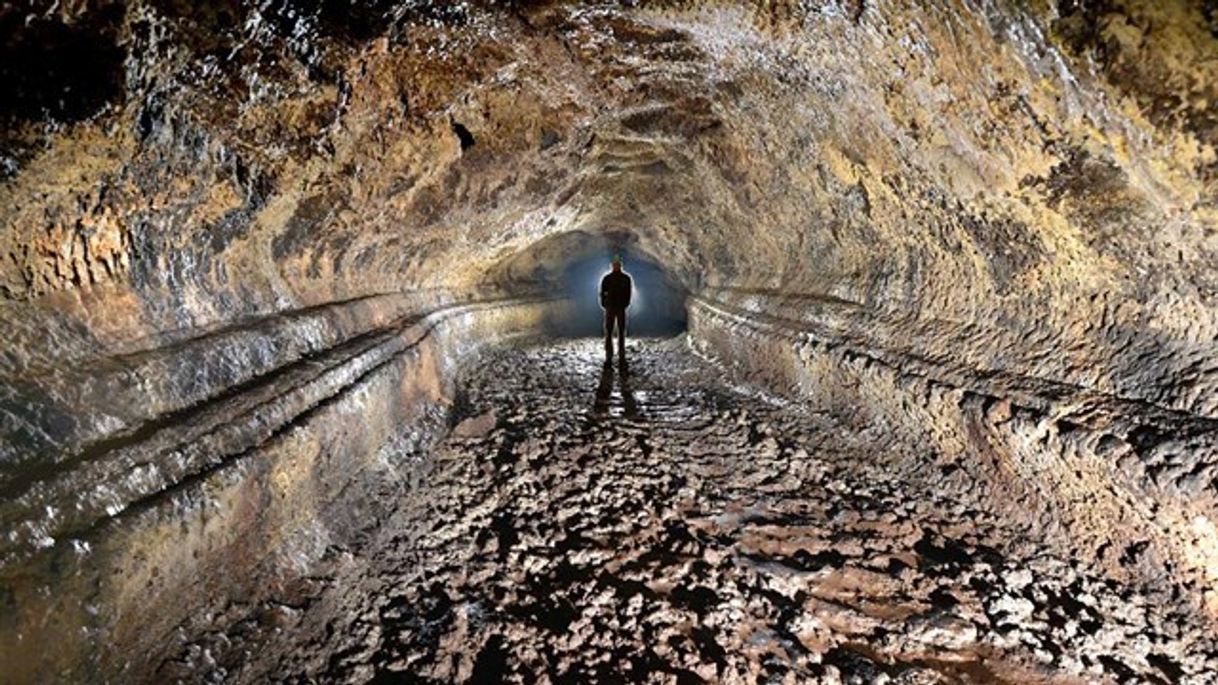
(661, 526)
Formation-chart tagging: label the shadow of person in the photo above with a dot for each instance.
(603, 390)
(625, 379)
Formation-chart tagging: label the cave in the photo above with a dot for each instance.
(302, 376)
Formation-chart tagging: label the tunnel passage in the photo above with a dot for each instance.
(657, 305)
(569, 267)
(246, 252)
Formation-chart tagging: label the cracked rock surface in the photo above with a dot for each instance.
(583, 524)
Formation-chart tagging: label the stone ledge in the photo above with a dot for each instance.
(254, 491)
(1083, 469)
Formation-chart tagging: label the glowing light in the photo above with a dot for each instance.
(656, 303)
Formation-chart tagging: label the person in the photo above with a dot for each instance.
(615, 298)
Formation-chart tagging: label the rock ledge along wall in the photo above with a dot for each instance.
(116, 547)
(993, 222)
(1121, 485)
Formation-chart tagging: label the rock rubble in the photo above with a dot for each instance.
(587, 525)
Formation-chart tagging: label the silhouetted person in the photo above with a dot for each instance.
(615, 298)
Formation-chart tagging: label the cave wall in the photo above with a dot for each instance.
(1010, 205)
(1125, 487)
(1046, 172)
(232, 502)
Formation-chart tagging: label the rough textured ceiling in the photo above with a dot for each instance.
(1045, 170)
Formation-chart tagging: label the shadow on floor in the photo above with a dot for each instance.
(604, 390)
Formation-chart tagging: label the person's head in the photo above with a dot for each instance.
(617, 262)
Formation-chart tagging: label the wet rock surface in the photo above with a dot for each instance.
(583, 524)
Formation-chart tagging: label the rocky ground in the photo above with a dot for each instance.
(653, 524)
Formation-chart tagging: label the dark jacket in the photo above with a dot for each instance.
(615, 290)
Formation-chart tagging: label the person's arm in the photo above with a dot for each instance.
(629, 289)
(604, 291)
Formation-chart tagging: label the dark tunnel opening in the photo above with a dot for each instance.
(657, 306)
